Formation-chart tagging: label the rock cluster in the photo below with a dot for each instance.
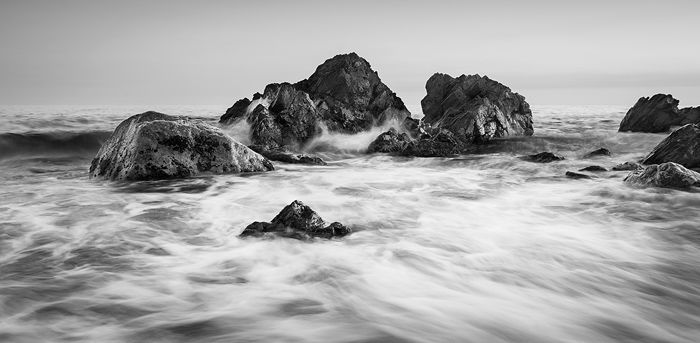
(669, 175)
(154, 145)
(297, 221)
(658, 114)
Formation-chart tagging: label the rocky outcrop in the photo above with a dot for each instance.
(658, 114)
(682, 147)
(297, 221)
(475, 109)
(153, 145)
(287, 156)
(440, 144)
(543, 157)
(390, 142)
(598, 152)
(627, 166)
(344, 95)
(669, 175)
(593, 169)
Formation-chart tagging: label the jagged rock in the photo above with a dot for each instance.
(441, 144)
(681, 146)
(574, 175)
(389, 142)
(543, 157)
(288, 157)
(593, 169)
(658, 114)
(350, 96)
(297, 221)
(669, 175)
(236, 112)
(598, 152)
(153, 145)
(475, 109)
(628, 166)
(412, 126)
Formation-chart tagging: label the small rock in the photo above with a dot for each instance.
(296, 221)
(627, 166)
(285, 156)
(574, 175)
(441, 144)
(593, 169)
(390, 142)
(543, 157)
(668, 175)
(599, 152)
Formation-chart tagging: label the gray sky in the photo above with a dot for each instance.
(214, 52)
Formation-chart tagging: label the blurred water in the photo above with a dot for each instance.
(480, 248)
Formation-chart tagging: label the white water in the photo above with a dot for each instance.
(481, 248)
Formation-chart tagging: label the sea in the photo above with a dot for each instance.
(483, 247)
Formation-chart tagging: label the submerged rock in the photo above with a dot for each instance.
(543, 157)
(628, 166)
(287, 156)
(574, 175)
(297, 221)
(390, 142)
(593, 169)
(598, 152)
(658, 114)
(682, 146)
(475, 109)
(669, 175)
(153, 145)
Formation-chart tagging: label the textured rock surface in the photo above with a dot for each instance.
(153, 145)
(681, 146)
(440, 144)
(598, 152)
(390, 142)
(628, 166)
(236, 112)
(474, 108)
(543, 157)
(670, 175)
(658, 114)
(297, 221)
(288, 157)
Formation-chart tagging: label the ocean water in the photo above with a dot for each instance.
(478, 248)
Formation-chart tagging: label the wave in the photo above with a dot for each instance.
(51, 143)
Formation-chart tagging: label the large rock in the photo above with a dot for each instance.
(153, 145)
(670, 175)
(475, 109)
(682, 146)
(344, 95)
(657, 114)
(298, 221)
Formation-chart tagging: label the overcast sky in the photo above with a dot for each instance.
(214, 52)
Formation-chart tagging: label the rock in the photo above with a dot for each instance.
(441, 144)
(475, 109)
(658, 114)
(593, 169)
(543, 157)
(287, 156)
(627, 166)
(669, 175)
(412, 126)
(153, 145)
(598, 152)
(297, 221)
(389, 142)
(681, 146)
(574, 175)
(350, 96)
(236, 112)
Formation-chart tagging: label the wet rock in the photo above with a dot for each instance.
(627, 166)
(390, 142)
(669, 175)
(441, 144)
(593, 169)
(287, 156)
(658, 114)
(236, 112)
(598, 152)
(297, 221)
(543, 157)
(475, 109)
(574, 175)
(153, 145)
(681, 146)
(412, 126)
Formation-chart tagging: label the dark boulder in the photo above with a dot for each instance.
(390, 142)
(658, 114)
(441, 144)
(285, 156)
(593, 169)
(153, 145)
(682, 146)
(598, 152)
(543, 157)
(669, 175)
(297, 221)
(412, 127)
(238, 111)
(574, 175)
(475, 109)
(628, 166)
